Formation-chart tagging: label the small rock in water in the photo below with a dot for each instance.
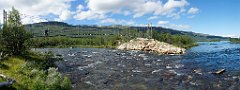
(95, 52)
(141, 55)
(136, 71)
(193, 83)
(170, 73)
(198, 71)
(219, 72)
(71, 54)
(148, 65)
(155, 71)
(88, 82)
(168, 66)
(179, 66)
(84, 51)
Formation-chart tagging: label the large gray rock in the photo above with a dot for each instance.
(151, 45)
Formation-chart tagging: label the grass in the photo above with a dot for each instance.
(63, 42)
(10, 67)
(26, 71)
(234, 40)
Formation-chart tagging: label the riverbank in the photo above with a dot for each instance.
(234, 40)
(105, 41)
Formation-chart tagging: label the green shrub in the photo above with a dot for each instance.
(13, 35)
(183, 41)
(53, 80)
(234, 40)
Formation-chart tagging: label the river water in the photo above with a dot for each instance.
(107, 69)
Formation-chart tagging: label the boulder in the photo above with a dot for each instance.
(151, 45)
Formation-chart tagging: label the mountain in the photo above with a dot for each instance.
(64, 29)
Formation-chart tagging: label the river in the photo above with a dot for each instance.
(107, 69)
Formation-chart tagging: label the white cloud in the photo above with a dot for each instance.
(167, 24)
(114, 21)
(1, 17)
(126, 13)
(60, 8)
(65, 15)
(89, 15)
(80, 8)
(180, 26)
(173, 8)
(136, 8)
(162, 22)
(99, 10)
(33, 19)
(152, 17)
(146, 8)
(193, 10)
(232, 36)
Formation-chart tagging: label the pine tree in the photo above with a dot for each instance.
(13, 35)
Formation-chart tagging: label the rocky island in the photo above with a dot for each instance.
(151, 45)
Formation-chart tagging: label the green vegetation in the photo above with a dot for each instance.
(96, 36)
(177, 40)
(13, 35)
(64, 29)
(234, 40)
(215, 40)
(30, 75)
(63, 41)
(31, 71)
(109, 41)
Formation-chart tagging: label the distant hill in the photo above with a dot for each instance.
(64, 29)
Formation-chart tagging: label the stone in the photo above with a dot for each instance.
(219, 72)
(151, 45)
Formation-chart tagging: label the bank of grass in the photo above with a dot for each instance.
(33, 73)
(110, 41)
(63, 42)
(183, 41)
(234, 40)
(215, 40)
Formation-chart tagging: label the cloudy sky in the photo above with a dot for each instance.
(217, 17)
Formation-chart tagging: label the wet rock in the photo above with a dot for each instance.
(147, 64)
(89, 83)
(197, 71)
(151, 45)
(168, 67)
(219, 72)
(193, 83)
(169, 73)
(71, 54)
(136, 71)
(156, 71)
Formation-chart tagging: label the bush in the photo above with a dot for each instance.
(234, 40)
(53, 80)
(183, 41)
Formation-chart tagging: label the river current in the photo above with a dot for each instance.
(107, 69)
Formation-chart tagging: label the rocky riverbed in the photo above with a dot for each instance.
(109, 69)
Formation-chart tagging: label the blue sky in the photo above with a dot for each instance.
(216, 17)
